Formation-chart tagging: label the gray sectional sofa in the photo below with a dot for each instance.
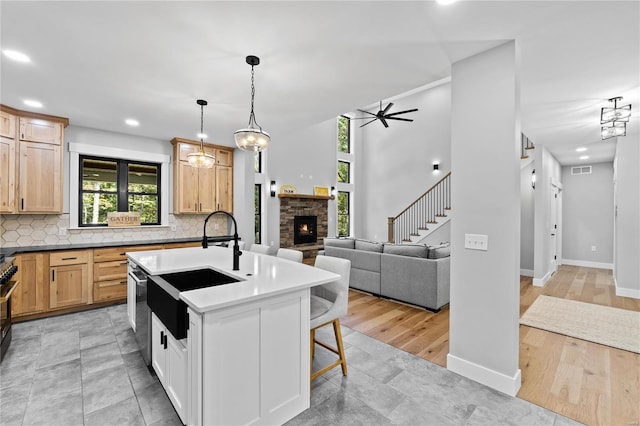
(415, 274)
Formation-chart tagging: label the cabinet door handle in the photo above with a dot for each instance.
(53, 275)
(165, 341)
(69, 258)
(123, 282)
(22, 204)
(161, 337)
(123, 263)
(200, 206)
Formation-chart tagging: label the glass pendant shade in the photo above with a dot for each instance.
(613, 129)
(201, 159)
(254, 140)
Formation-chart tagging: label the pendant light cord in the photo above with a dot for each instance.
(252, 116)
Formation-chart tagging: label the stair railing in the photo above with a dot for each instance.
(424, 211)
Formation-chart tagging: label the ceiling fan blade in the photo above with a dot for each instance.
(367, 112)
(387, 108)
(384, 122)
(398, 118)
(401, 112)
(369, 122)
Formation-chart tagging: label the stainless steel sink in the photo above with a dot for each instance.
(163, 295)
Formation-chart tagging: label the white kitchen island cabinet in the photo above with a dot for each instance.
(247, 342)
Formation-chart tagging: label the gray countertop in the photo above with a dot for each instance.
(10, 251)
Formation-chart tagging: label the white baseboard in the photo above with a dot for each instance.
(540, 282)
(626, 292)
(526, 272)
(587, 264)
(491, 378)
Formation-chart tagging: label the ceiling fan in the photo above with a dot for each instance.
(383, 115)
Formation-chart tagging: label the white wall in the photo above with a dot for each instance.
(398, 160)
(304, 158)
(485, 153)
(587, 216)
(527, 210)
(548, 170)
(627, 216)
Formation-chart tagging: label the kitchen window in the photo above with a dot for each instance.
(118, 185)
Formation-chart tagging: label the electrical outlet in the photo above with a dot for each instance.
(173, 228)
(476, 242)
(593, 248)
(62, 231)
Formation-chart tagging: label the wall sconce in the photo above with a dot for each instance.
(272, 188)
(533, 179)
(333, 191)
(436, 167)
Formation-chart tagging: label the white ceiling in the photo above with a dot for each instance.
(99, 62)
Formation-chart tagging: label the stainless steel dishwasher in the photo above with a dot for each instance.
(143, 313)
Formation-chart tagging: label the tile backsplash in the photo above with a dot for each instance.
(45, 229)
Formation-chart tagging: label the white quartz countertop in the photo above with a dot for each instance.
(260, 275)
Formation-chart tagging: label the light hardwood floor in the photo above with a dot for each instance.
(588, 382)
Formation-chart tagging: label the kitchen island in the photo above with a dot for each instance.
(246, 354)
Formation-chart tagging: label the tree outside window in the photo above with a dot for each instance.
(344, 172)
(344, 138)
(257, 201)
(343, 214)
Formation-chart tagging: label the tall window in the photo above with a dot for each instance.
(345, 182)
(113, 185)
(258, 213)
(344, 216)
(257, 162)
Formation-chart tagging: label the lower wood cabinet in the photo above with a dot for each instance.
(30, 297)
(169, 360)
(69, 279)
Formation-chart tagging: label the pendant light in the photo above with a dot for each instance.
(200, 159)
(252, 138)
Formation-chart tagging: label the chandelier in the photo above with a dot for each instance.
(253, 138)
(201, 159)
(614, 120)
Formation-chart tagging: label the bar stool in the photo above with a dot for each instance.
(295, 255)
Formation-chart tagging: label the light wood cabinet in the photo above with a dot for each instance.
(7, 175)
(110, 271)
(30, 297)
(200, 191)
(69, 278)
(32, 181)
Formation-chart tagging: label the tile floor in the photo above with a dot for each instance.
(85, 369)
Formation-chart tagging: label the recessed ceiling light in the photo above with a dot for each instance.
(32, 103)
(132, 122)
(16, 56)
(584, 157)
(581, 149)
(445, 2)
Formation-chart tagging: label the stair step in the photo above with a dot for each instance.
(447, 208)
(529, 147)
(423, 229)
(432, 222)
(441, 215)
(524, 157)
(406, 241)
(414, 235)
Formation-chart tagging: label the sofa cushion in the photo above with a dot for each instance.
(369, 246)
(439, 251)
(340, 242)
(413, 250)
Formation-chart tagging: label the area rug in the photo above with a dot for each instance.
(613, 327)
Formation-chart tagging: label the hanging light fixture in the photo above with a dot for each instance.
(608, 115)
(610, 130)
(253, 138)
(201, 159)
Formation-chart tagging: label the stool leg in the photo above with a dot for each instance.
(338, 333)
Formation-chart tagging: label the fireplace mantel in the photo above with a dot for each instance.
(307, 196)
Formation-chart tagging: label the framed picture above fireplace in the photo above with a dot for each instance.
(321, 190)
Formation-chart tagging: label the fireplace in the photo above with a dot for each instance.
(304, 229)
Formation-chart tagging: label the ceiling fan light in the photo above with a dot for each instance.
(254, 140)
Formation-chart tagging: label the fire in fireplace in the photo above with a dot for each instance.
(304, 229)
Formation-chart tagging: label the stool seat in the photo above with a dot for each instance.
(319, 307)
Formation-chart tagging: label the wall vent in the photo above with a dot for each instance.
(582, 170)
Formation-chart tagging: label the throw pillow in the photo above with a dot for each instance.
(413, 250)
(439, 251)
(340, 242)
(369, 246)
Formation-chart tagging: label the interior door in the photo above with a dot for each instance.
(553, 229)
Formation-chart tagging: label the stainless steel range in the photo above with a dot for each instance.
(7, 285)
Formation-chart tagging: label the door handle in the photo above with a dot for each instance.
(553, 235)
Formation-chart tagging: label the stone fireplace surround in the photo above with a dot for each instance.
(292, 205)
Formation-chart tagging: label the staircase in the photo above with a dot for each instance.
(424, 215)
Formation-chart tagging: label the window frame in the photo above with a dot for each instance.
(257, 213)
(122, 188)
(348, 214)
(348, 151)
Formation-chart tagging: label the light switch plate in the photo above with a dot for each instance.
(476, 242)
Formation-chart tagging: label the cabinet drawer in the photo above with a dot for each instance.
(110, 290)
(183, 245)
(73, 257)
(119, 253)
(185, 149)
(108, 271)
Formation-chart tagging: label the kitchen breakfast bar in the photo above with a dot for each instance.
(240, 355)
